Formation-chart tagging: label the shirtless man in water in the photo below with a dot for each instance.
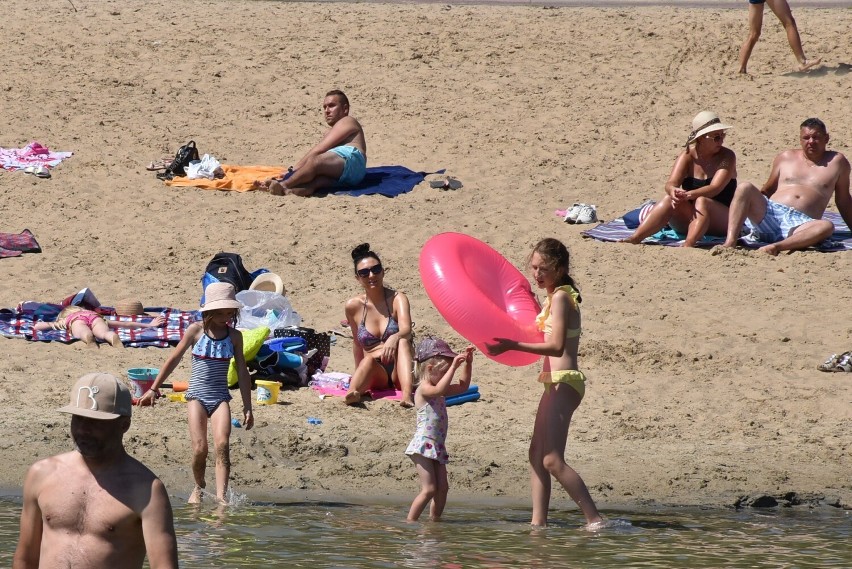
(96, 506)
(339, 159)
(800, 185)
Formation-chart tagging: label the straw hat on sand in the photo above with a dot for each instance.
(129, 308)
(269, 282)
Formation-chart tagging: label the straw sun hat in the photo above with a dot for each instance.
(269, 282)
(705, 122)
(129, 308)
(220, 295)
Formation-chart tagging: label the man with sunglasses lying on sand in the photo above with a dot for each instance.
(787, 211)
(339, 159)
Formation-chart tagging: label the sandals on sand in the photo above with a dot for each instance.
(159, 165)
(449, 183)
(835, 362)
(37, 171)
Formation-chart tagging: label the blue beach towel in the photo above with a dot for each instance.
(616, 230)
(389, 181)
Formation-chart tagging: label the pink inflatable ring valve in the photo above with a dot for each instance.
(480, 294)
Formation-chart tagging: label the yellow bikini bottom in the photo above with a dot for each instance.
(572, 377)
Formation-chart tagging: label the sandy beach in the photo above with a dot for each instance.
(703, 384)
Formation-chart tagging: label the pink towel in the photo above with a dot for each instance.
(33, 154)
(394, 394)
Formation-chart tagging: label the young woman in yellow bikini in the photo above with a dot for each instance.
(564, 383)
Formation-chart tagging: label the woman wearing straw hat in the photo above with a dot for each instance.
(699, 189)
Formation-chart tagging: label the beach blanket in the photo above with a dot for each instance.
(16, 244)
(388, 181)
(33, 154)
(616, 230)
(18, 323)
(472, 394)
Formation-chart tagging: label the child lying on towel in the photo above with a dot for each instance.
(88, 326)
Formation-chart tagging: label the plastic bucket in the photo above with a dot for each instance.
(141, 379)
(267, 392)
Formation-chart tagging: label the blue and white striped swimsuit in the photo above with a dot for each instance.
(208, 383)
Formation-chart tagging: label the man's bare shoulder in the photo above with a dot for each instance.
(838, 157)
(788, 155)
(349, 122)
(52, 464)
(131, 469)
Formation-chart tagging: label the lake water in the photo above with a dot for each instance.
(348, 535)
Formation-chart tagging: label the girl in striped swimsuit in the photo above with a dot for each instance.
(214, 342)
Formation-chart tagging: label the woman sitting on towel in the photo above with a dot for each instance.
(700, 187)
(380, 320)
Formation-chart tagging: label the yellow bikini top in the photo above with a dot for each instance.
(543, 320)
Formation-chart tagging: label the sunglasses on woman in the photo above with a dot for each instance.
(375, 269)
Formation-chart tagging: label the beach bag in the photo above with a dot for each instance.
(227, 268)
(320, 341)
(185, 154)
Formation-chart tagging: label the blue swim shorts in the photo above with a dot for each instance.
(355, 165)
(778, 222)
(757, 1)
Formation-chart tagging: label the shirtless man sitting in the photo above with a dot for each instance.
(339, 159)
(96, 506)
(800, 184)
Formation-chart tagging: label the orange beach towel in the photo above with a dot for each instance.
(237, 178)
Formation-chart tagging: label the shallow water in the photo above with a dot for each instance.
(337, 534)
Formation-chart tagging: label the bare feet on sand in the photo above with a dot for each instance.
(770, 250)
(406, 403)
(352, 398)
(632, 240)
(807, 65)
(276, 188)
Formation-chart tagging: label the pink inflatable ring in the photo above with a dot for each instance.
(480, 294)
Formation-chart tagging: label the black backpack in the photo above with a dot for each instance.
(228, 268)
(185, 154)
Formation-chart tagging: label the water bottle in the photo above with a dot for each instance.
(236, 423)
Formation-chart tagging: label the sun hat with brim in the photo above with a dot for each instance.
(269, 282)
(99, 396)
(430, 347)
(705, 122)
(129, 308)
(220, 295)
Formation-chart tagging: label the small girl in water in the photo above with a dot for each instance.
(89, 326)
(564, 383)
(214, 341)
(436, 365)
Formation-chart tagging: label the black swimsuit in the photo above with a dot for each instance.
(724, 197)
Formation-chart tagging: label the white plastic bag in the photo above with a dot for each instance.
(266, 308)
(204, 168)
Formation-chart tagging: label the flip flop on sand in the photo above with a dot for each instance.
(159, 165)
(449, 184)
(38, 171)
